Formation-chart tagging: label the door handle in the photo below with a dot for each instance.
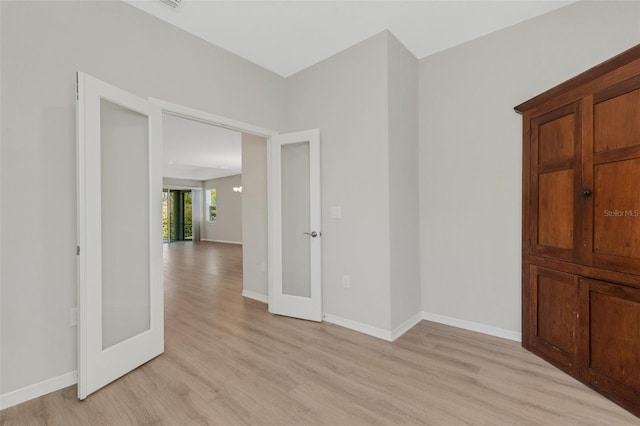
(312, 234)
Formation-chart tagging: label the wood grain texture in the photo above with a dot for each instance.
(555, 298)
(555, 152)
(611, 348)
(604, 218)
(556, 139)
(616, 222)
(229, 362)
(615, 121)
(555, 209)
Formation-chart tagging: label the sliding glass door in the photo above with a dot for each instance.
(177, 215)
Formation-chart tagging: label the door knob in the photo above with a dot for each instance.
(312, 234)
(586, 193)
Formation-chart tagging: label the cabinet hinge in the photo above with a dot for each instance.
(77, 250)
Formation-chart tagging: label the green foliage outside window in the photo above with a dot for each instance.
(213, 205)
(188, 216)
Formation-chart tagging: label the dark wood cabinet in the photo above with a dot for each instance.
(610, 317)
(554, 315)
(581, 227)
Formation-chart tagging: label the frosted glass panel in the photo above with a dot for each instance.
(295, 220)
(125, 223)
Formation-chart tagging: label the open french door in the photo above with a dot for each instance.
(120, 295)
(295, 282)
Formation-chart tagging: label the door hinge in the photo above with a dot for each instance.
(77, 88)
(77, 250)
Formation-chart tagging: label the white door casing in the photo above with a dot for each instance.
(295, 247)
(119, 209)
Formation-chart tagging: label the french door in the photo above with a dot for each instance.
(120, 300)
(295, 282)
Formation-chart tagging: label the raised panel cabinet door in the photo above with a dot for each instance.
(553, 315)
(555, 175)
(615, 177)
(611, 343)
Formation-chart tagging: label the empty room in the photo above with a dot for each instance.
(426, 212)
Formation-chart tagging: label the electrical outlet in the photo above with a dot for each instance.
(346, 281)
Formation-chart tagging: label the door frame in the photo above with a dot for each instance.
(227, 123)
(215, 120)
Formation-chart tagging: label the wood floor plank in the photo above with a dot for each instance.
(228, 361)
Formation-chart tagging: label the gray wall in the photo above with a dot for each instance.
(469, 158)
(345, 96)
(43, 44)
(470, 150)
(403, 183)
(254, 215)
(228, 224)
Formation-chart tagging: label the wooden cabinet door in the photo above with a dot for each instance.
(554, 178)
(610, 340)
(553, 316)
(614, 176)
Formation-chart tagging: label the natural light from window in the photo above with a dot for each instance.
(211, 205)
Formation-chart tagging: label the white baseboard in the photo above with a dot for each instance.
(221, 241)
(406, 326)
(473, 326)
(358, 326)
(38, 389)
(255, 296)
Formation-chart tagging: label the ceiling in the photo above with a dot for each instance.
(288, 36)
(199, 151)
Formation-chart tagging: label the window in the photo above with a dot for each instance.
(211, 205)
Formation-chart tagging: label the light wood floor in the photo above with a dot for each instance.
(228, 361)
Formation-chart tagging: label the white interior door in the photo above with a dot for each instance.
(120, 300)
(295, 282)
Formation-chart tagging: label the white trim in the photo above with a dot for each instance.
(255, 296)
(216, 120)
(406, 326)
(473, 326)
(221, 241)
(358, 326)
(36, 390)
(181, 188)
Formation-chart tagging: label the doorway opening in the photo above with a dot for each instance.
(250, 189)
(202, 164)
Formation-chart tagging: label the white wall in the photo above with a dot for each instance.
(403, 184)
(228, 224)
(43, 45)
(254, 216)
(345, 96)
(470, 151)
